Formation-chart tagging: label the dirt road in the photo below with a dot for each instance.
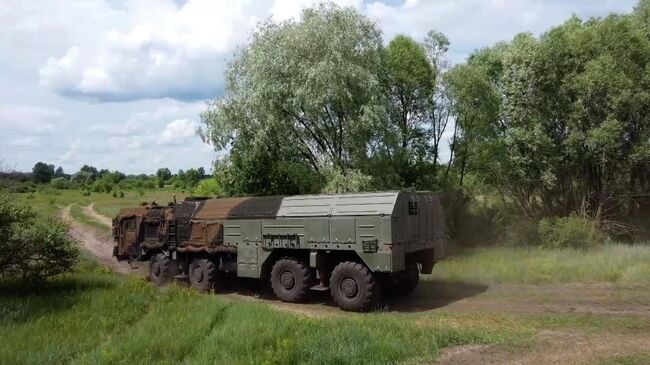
(92, 213)
(100, 246)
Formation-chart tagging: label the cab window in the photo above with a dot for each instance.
(130, 225)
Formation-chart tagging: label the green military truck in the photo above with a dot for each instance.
(349, 244)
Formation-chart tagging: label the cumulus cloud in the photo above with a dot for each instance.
(166, 51)
(178, 132)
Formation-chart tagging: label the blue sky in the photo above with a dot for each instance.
(120, 84)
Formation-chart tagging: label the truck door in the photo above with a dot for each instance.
(127, 239)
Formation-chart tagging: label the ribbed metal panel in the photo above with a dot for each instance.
(359, 204)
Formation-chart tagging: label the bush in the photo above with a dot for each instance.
(32, 248)
(208, 187)
(60, 183)
(573, 231)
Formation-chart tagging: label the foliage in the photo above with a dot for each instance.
(208, 187)
(60, 183)
(315, 82)
(42, 172)
(574, 231)
(559, 124)
(352, 181)
(323, 94)
(32, 248)
(410, 82)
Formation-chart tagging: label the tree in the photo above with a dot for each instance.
(59, 172)
(411, 80)
(164, 174)
(90, 172)
(32, 248)
(42, 172)
(316, 79)
(436, 46)
(571, 129)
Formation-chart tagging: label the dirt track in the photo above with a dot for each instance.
(551, 347)
(95, 243)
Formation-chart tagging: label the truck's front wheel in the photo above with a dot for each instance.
(354, 287)
(291, 280)
(160, 269)
(203, 274)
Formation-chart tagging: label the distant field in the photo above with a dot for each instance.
(50, 201)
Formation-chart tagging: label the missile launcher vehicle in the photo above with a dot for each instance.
(349, 244)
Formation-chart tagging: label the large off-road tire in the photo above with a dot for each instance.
(203, 274)
(354, 287)
(291, 280)
(160, 272)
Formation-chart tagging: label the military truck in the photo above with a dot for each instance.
(349, 244)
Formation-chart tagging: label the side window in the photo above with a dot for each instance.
(151, 230)
(130, 225)
(413, 208)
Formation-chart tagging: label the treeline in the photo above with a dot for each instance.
(91, 179)
(553, 126)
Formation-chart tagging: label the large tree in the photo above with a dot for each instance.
(572, 132)
(410, 80)
(315, 80)
(42, 172)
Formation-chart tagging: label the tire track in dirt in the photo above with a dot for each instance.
(93, 242)
(553, 347)
(96, 216)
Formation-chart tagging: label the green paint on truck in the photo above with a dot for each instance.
(349, 244)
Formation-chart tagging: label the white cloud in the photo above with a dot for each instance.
(34, 119)
(166, 51)
(178, 132)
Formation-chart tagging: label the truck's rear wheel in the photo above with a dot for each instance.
(291, 280)
(160, 269)
(203, 274)
(354, 287)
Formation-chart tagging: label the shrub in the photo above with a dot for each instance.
(60, 183)
(573, 231)
(208, 187)
(32, 248)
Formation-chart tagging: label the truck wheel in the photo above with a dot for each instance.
(159, 269)
(203, 274)
(354, 287)
(409, 281)
(291, 280)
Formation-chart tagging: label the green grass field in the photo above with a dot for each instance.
(95, 316)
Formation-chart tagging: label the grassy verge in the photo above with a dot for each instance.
(94, 316)
(614, 263)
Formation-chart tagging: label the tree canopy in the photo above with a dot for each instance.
(553, 124)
